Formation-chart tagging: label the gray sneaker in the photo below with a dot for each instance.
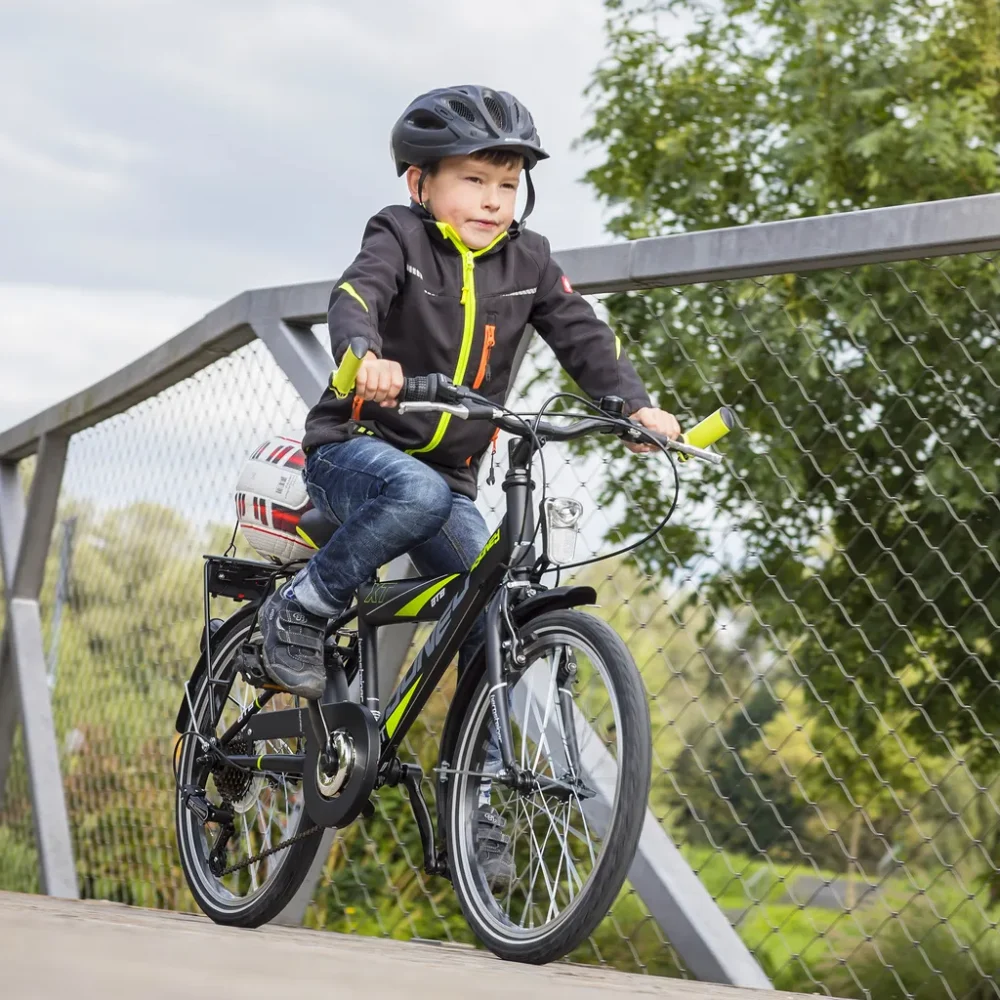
(493, 848)
(293, 645)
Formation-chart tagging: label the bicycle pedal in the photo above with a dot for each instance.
(251, 666)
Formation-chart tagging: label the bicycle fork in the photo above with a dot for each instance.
(511, 774)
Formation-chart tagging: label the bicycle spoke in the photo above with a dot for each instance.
(549, 886)
(543, 728)
(583, 819)
(250, 851)
(563, 841)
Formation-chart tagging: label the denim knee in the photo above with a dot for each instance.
(425, 501)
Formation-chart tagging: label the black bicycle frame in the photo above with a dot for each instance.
(455, 601)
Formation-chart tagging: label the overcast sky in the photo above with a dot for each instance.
(159, 156)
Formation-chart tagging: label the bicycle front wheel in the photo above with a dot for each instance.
(535, 880)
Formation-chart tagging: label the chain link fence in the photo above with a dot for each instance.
(816, 628)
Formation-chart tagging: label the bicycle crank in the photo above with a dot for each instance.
(339, 776)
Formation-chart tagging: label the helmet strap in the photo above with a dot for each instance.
(420, 189)
(530, 203)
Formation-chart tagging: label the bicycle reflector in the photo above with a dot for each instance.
(713, 427)
(562, 525)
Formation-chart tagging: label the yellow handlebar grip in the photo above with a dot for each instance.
(713, 427)
(342, 380)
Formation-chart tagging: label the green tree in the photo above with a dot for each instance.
(863, 481)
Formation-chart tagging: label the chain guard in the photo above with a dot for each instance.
(344, 807)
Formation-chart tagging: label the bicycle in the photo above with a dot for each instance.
(574, 764)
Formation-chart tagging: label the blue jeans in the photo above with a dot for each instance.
(389, 503)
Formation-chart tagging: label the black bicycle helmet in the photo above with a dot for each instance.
(458, 121)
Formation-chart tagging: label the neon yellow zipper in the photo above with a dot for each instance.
(468, 300)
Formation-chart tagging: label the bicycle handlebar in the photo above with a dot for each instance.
(524, 427)
(436, 393)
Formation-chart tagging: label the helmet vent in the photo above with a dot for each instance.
(463, 109)
(495, 108)
(424, 119)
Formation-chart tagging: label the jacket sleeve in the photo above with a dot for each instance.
(362, 297)
(586, 346)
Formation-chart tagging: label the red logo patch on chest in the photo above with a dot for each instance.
(567, 287)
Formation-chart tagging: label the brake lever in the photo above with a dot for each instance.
(456, 410)
(640, 434)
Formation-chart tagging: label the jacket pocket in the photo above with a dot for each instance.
(489, 340)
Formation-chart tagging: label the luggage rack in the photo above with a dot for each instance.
(243, 579)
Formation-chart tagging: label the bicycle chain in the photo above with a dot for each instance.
(266, 854)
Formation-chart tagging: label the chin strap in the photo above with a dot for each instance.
(530, 203)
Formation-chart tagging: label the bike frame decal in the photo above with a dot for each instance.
(412, 608)
(421, 599)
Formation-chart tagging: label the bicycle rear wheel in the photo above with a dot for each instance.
(267, 809)
(579, 716)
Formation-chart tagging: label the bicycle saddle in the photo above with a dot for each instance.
(317, 527)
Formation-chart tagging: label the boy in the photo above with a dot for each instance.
(448, 285)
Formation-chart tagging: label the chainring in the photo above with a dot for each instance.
(359, 725)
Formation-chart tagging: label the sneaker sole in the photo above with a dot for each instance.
(308, 690)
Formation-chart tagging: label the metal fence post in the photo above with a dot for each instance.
(24, 545)
(8, 707)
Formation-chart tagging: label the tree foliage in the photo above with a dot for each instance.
(861, 488)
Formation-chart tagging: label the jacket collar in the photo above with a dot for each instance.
(439, 233)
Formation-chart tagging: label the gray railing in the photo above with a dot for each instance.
(810, 632)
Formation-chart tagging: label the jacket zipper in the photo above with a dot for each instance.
(484, 362)
(468, 300)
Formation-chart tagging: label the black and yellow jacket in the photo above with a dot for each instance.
(422, 298)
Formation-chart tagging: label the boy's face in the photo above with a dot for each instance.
(476, 197)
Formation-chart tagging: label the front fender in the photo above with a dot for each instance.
(556, 599)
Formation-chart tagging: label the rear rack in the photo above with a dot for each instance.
(243, 579)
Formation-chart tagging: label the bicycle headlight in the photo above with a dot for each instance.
(562, 525)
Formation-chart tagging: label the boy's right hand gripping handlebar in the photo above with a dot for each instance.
(342, 380)
(418, 388)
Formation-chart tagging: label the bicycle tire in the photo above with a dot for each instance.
(627, 812)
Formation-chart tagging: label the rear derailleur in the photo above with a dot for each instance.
(196, 799)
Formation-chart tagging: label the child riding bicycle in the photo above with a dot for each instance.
(447, 284)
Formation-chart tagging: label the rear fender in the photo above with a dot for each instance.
(216, 625)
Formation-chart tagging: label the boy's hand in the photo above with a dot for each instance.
(655, 420)
(379, 380)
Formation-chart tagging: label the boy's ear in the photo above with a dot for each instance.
(413, 183)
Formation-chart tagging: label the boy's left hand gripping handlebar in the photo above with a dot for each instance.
(422, 389)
